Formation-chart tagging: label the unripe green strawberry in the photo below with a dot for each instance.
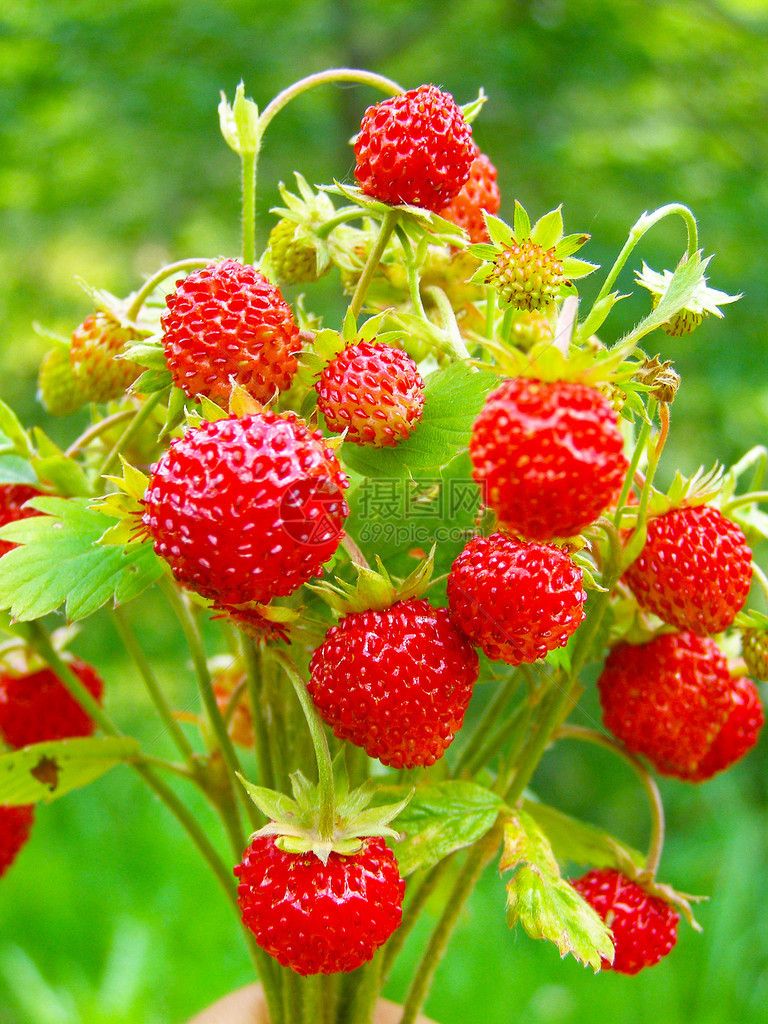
(754, 650)
(95, 344)
(60, 391)
(294, 258)
(526, 275)
(682, 323)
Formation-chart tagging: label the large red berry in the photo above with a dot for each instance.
(549, 456)
(372, 391)
(739, 733)
(36, 706)
(667, 699)
(246, 509)
(12, 500)
(15, 826)
(480, 192)
(516, 600)
(694, 571)
(644, 927)
(320, 918)
(227, 324)
(395, 682)
(414, 148)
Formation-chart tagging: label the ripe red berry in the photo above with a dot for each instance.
(395, 682)
(739, 733)
(694, 571)
(480, 192)
(320, 918)
(414, 148)
(246, 509)
(667, 699)
(644, 927)
(372, 391)
(15, 826)
(516, 600)
(548, 455)
(12, 500)
(227, 324)
(36, 706)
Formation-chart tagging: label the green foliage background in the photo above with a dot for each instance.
(111, 163)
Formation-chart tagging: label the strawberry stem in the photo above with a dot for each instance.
(248, 205)
(454, 343)
(141, 296)
(138, 421)
(374, 258)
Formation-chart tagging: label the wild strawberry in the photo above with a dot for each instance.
(516, 600)
(227, 324)
(15, 826)
(246, 509)
(395, 682)
(527, 276)
(13, 498)
(739, 733)
(293, 256)
(60, 391)
(754, 651)
(320, 918)
(667, 699)
(644, 927)
(548, 455)
(694, 571)
(36, 706)
(95, 345)
(414, 148)
(374, 392)
(480, 192)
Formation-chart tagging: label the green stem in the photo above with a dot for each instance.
(478, 740)
(456, 347)
(412, 912)
(254, 667)
(577, 732)
(153, 687)
(248, 195)
(637, 454)
(346, 213)
(141, 296)
(319, 742)
(414, 278)
(131, 430)
(371, 264)
(490, 311)
(97, 429)
(745, 499)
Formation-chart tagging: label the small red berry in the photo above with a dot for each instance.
(227, 324)
(15, 826)
(548, 455)
(644, 927)
(739, 733)
(36, 706)
(480, 192)
(516, 600)
(12, 500)
(320, 918)
(395, 682)
(667, 699)
(372, 391)
(414, 148)
(694, 571)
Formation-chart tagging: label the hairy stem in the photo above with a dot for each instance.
(180, 267)
(371, 264)
(138, 421)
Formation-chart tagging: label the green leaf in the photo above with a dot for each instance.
(439, 819)
(15, 437)
(546, 905)
(46, 771)
(64, 475)
(151, 381)
(577, 842)
(683, 285)
(453, 398)
(15, 470)
(61, 562)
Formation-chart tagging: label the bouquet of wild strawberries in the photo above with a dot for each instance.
(471, 472)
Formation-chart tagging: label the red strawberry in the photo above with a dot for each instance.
(320, 918)
(373, 391)
(480, 192)
(739, 733)
(694, 571)
(644, 927)
(548, 455)
(414, 148)
(395, 682)
(102, 377)
(36, 706)
(12, 500)
(667, 699)
(516, 600)
(227, 324)
(15, 826)
(246, 509)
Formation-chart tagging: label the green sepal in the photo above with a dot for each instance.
(472, 109)
(16, 470)
(375, 590)
(239, 123)
(13, 436)
(548, 230)
(151, 382)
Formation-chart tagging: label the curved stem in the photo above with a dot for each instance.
(346, 213)
(96, 430)
(138, 421)
(577, 732)
(374, 258)
(356, 555)
(412, 913)
(141, 296)
(456, 347)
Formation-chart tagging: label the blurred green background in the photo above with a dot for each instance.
(111, 164)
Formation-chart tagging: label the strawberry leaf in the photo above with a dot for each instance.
(577, 842)
(46, 771)
(61, 562)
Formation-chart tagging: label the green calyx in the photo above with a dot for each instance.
(375, 589)
(703, 300)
